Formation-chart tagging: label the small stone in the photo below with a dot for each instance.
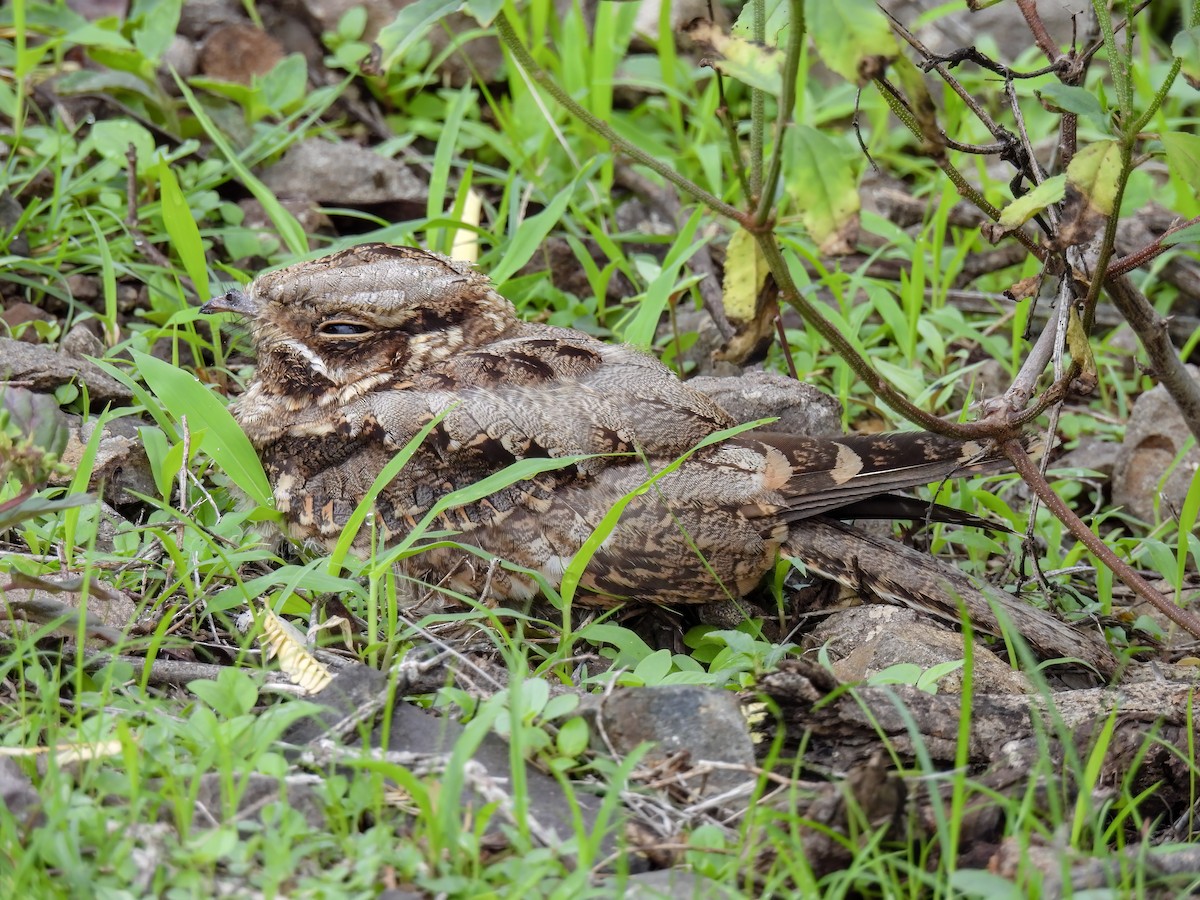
(868, 639)
(21, 314)
(330, 172)
(120, 464)
(706, 723)
(81, 342)
(1153, 439)
(237, 52)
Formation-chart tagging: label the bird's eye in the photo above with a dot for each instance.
(338, 328)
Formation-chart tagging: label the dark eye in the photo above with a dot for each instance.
(335, 328)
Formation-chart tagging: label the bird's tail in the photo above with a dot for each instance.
(893, 572)
(858, 472)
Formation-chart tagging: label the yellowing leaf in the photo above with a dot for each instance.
(1025, 208)
(1094, 171)
(776, 22)
(749, 62)
(822, 185)
(745, 274)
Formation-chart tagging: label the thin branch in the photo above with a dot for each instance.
(783, 114)
(1026, 468)
(1139, 258)
(1151, 329)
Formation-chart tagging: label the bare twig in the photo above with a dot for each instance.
(1139, 258)
(1028, 471)
(1151, 329)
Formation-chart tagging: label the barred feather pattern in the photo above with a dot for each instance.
(360, 350)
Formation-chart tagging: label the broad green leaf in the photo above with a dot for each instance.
(821, 183)
(654, 668)
(95, 34)
(572, 737)
(15, 511)
(181, 226)
(1183, 156)
(979, 884)
(1067, 98)
(411, 25)
(777, 19)
(745, 274)
(1024, 208)
(111, 138)
(284, 86)
(1186, 46)
(1189, 235)
(847, 33)
(1094, 171)
(157, 23)
(222, 438)
(631, 647)
(483, 11)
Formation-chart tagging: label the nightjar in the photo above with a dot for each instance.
(360, 350)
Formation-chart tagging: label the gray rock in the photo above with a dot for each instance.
(120, 463)
(673, 884)
(419, 731)
(1153, 438)
(18, 795)
(330, 172)
(1093, 453)
(706, 723)
(866, 640)
(43, 369)
(801, 408)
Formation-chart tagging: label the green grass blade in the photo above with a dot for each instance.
(574, 570)
(222, 438)
(285, 223)
(181, 226)
(532, 232)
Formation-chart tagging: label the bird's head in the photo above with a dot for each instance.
(369, 316)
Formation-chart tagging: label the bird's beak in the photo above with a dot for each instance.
(234, 301)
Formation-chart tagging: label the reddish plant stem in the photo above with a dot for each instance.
(1033, 477)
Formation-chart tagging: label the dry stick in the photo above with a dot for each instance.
(1029, 473)
(1151, 329)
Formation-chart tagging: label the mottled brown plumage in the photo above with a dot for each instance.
(360, 350)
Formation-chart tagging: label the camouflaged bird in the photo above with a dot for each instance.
(360, 350)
